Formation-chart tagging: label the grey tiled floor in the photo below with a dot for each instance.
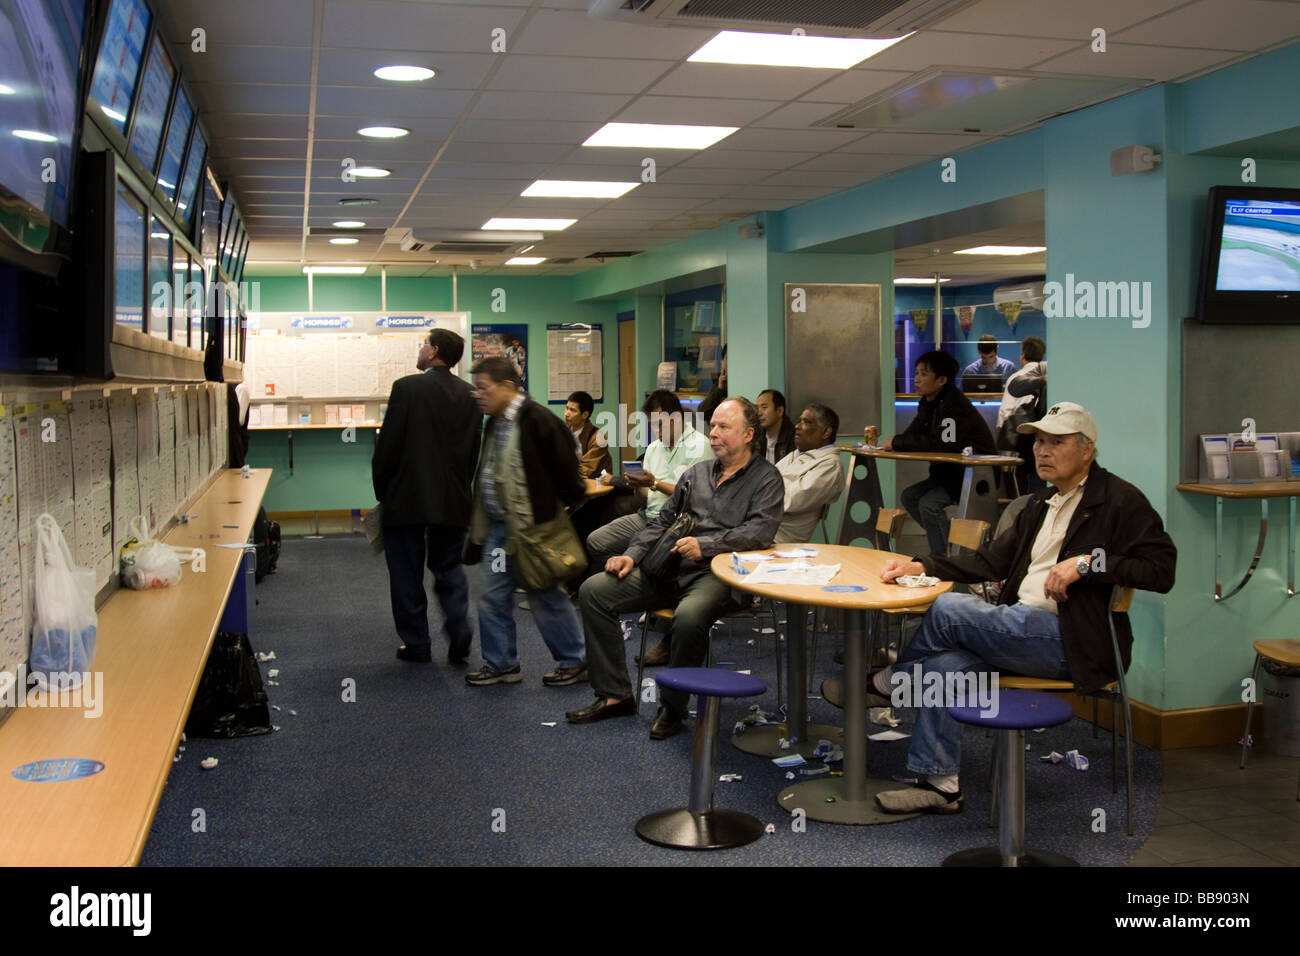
(1213, 814)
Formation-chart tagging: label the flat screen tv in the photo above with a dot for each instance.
(41, 50)
(118, 65)
(151, 105)
(1250, 261)
(178, 132)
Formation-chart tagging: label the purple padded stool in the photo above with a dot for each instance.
(1018, 711)
(700, 827)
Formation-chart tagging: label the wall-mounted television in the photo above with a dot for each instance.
(178, 131)
(118, 65)
(189, 192)
(151, 105)
(1250, 260)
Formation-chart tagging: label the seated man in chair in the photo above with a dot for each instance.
(1088, 531)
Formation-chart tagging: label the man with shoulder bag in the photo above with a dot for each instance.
(521, 531)
(733, 503)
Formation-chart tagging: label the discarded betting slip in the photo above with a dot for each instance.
(916, 581)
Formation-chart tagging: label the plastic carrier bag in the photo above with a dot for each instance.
(146, 563)
(64, 631)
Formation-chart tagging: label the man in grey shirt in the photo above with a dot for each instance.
(737, 501)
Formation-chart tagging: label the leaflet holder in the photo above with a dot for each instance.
(1272, 456)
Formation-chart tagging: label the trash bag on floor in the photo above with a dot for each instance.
(230, 701)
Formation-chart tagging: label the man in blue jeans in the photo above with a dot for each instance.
(1074, 541)
(527, 473)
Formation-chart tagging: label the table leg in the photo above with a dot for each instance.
(866, 488)
(1259, 548)
(802, 736)
(1290, 550)
(979, 494)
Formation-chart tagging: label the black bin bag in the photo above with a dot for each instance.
(230, 701)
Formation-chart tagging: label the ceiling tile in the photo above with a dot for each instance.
(387, 25)
(1231, 24)
(252, 98)
(573, 33)
(805, 141)
(576, 74)
(251, 64)
(695, 111)
(719, 156)
(729, 81)
(588, 107)
(347, 66)
(1147, 62)
(855, 85)
(381, 106)
(798, 115)
(1007, 50)
(915, 144)
(1053, 18)
(477, 130)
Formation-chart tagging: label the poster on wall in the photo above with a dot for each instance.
(574, 362)
(501, 341)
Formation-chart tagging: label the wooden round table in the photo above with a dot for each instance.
(856, 590)
(595, 489)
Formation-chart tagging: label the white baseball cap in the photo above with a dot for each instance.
(1064, 418)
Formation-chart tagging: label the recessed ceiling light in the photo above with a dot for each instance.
(7, 90)
(658, 135)
(358, 201)
(344, 241)
(1000, 250)
(334, 270)
(784, 49)
(542, 224)
(404, 74)
(348, 224)
(35, 135)
(918, 281)
(525, 260)
(574, 189)
(371, 172)
(384, 132)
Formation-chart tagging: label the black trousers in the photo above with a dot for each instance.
(408, 548)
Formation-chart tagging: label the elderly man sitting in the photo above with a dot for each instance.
(812, 473)
(736, 501)
(1075, 540)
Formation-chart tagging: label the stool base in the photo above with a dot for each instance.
(826, 800)
(765, 741)
(992, 856)
(713, 830)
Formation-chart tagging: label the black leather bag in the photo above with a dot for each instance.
(660, 561)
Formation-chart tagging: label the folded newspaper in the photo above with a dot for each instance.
(793, 572)
(372, 523)
(916, 581)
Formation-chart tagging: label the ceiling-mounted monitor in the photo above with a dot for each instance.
(118, 65)
(151, 104)
(189, 195)
(178, 133)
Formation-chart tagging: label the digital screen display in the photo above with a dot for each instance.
(190, 181)
(180, 315)
(118, 65)
(211, 225)
(1260, 248)
(174, 152)
(151, 110)
(160, 277)
(128, 260)
(40, 52)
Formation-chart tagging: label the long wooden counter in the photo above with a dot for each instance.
(152, 646)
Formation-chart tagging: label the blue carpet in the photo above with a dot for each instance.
(417, 770)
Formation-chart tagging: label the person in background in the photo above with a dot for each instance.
(736, 500)
(774, 425)
(812, 473)
(1025, 398)
(590, 443)
(989, 363)
(717, 395)
(945, 421)
(424, 458)
(527, 473)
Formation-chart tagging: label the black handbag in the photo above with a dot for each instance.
(661, 561)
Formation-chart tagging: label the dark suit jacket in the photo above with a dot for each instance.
(427, 450)
(928, 429)
(784, 440)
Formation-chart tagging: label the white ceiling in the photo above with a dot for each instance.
(284, 85)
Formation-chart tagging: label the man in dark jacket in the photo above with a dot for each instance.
(775, 427)
(945, 421)
(527, 474)
(1069, 547)
(425, 456)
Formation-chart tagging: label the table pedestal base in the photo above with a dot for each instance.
(812, 797)
(992, 856)
(764, 741)
(712, 830)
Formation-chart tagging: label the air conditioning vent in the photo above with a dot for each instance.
(473, 248)
(884, 18)
(609, 255)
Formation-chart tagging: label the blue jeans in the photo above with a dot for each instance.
(925, 502)
(555, 616)
(960, 633)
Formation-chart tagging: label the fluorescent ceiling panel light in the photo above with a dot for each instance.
(344, 241)
(358, 201)
(1000, 250)
(384, 132)
(333, 270)
(371, 172)
(35, 135)
(525, 260)
(578, 189)
(348, 224)
(405, 74)
(922, 281)
(658, 136)
(554, 225)
(784, 49)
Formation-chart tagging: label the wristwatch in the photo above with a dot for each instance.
(1083, 566)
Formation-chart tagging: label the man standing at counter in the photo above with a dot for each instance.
(945, 421)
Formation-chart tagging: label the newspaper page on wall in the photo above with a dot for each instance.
(574, 362)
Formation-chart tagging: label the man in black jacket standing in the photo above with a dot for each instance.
(945, 421)
(425, 455)
(1070, 546)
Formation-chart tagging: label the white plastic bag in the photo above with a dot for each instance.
(63, 636)
(146, 563)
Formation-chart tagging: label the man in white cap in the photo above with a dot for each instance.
(1074, 541)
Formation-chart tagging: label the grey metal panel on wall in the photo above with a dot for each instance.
(832, 350)
(1232, 372)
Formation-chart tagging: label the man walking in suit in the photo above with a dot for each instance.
(425, 456)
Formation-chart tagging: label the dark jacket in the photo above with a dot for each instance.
(550, 466)
(926, 433)
(427, 450)
(595, 456)
(1113, 516)
(784, 440)
(709, 404)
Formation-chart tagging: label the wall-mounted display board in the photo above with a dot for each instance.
(574, 362)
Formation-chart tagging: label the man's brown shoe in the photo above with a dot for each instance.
(658, 655)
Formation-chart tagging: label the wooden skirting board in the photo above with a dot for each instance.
(1176, 729)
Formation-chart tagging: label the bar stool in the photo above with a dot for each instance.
(1018, 711)
(1285, 651)
(700, 826)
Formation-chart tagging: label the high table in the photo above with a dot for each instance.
(979, 488)
(851, 798)
(1262, 490)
